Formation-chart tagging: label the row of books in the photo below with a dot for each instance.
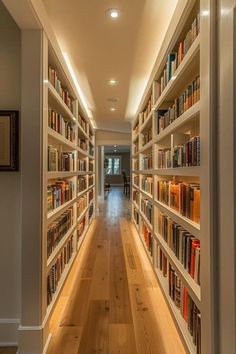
(136, 216)
(147, 237)
(59, 193)
(146, 136)
(91, 210)
(83, 145)
(147, 162)
(57, 84)
(136, 196)
(187, 154)
(189, 97)
(182, 197)
(147, 110)
(91, 150)
(136, 164)
(64, 161)
(136, 181)
(61, 125)
(181, 298)
(91, 166)
(90, 180)
(57, 269)
(147, 209)
(58, 229)
(147, 184)
(174, 59)
(164, 158)
(91, 195)
(185, 246)
(82, 165)
(83, 123)
(81, 205)
(82, 184)
(81, 228)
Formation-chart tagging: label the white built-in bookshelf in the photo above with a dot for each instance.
(69, 183)
(167, 176)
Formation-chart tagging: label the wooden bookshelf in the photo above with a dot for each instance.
(182, 126)
(71, 132)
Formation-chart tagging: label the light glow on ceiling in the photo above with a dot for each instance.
(113, 109)
(114, 13)
(113, 82)
(78, 88)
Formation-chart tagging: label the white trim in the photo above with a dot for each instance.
(8, 331)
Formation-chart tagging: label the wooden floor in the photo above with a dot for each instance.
(112, 302)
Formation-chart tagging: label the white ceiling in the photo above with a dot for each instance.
(100, 48)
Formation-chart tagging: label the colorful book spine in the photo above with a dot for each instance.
(57, 84)
(181, 298)
(82, 165)
(81, 228)
(147, 209)
(57, 269)
(64, 161)
(185, 246)
(187, 154)
(61, 125)
(182, 197)
(147, 184)
(147, 162)
(146, 136)
(82, 184)
(58, 229)
(147, 237)
(81, 205)
(59, 193)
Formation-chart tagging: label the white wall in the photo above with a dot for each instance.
(10, 95)
(107, 137)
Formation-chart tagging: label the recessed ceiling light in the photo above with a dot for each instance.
(113, 109)
(113, 13)
(113, 82)
(113, 99)
(114, 150)
(115, 146)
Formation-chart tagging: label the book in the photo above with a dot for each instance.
(57, 84)
(62, 126)
(147, 209)
(147, 184)
(59, 192)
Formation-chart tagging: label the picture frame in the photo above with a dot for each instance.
(9, 140)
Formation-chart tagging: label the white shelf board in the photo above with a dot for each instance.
(82, 132)
(60, 245)
(187, 224)
(194, 288)
(182, 325)
(59, 139)
(56, 102)
(146, 122)
(82, 192)
(146, 146)
(64, 174)
(149, 225)
(136, 205)
(182, 74)
(82, 215)
(178, 171)
(149, 196)
(82, 152)
(56, 212)
(186, 118)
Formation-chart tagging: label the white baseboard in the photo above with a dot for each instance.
(9, 331)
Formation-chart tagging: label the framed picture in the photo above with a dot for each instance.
(9, 140)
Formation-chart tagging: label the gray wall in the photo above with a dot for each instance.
(10, 71)
(125, 165)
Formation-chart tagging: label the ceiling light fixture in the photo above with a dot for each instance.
(115, 146)
(113, 109)
(114, 13)
(113, 82)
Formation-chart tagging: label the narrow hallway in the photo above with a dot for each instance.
(112, 300)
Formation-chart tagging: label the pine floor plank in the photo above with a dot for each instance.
(65, 341)
(121, 339)
(77, 307)
(96, 330)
